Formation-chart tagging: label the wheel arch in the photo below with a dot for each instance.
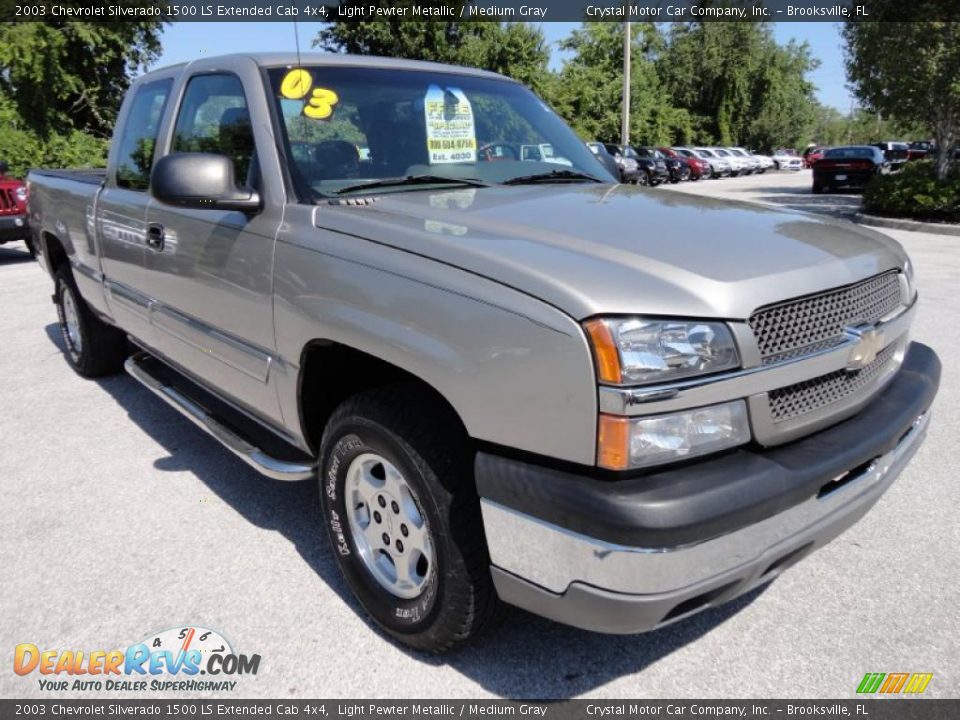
(356, 371)
(54, 253)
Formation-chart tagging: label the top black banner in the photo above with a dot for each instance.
(482, 10)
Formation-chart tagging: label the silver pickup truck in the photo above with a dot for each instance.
(515, 381)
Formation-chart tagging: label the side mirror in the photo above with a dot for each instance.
(200, 180)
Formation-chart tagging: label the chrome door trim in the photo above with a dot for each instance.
(252, 361)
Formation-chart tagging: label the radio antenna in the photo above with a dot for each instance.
(296, 39)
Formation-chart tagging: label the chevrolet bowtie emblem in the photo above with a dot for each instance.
(868, 342)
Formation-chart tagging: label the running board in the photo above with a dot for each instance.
(253, 456)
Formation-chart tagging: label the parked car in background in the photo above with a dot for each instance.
(738, 165)
(752, 164)
(896, 153)
(13, 209)
(677, 166)
(766, 162)
(812, 154)
(605, 159)
(630, 169)
(920, 149)
(543, 153)
(652, 162)
(720, 166)
(699, 167)
(852, 166)
(787, 159)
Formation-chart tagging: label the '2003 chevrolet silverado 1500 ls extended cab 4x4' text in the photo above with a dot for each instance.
(516, 381)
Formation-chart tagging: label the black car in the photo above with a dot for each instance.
(679, 170)
(606, 159)
(852, 166)
(895, 153)
(653, 162)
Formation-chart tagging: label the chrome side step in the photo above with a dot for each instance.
(254, 457)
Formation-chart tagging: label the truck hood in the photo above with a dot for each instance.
(596, 249)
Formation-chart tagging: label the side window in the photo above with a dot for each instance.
(139, 135)
(214, 119)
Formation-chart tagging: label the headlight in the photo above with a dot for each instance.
(629, 164)
(21, 194)
(632, 351)
(626, 443)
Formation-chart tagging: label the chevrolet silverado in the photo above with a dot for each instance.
(515, 381)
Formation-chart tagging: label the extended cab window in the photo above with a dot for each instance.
(139, 135)
(214, 119)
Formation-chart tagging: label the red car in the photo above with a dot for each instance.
(13, 209)
(698, 167)
(812, 154)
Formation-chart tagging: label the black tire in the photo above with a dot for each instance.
(102, 348)
(817, 188)
(415, 433)
(31, 248)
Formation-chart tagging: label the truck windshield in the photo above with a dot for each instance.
(342, 126)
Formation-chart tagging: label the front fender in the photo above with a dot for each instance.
(517, 371)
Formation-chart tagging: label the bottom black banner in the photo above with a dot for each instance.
(890, 709)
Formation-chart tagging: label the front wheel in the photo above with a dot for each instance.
(403, 517)
(93, 348)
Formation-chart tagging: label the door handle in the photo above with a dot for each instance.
(155, 236)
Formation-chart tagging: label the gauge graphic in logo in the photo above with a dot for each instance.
(181, 640)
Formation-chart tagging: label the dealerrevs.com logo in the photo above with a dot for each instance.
(179, 659)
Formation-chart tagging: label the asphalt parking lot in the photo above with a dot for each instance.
(120, 518)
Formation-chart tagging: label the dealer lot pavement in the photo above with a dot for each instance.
(120, 518)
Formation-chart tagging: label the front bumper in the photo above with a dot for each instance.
(632, 555)
(14, 227)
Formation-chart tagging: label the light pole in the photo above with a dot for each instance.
(625, 120)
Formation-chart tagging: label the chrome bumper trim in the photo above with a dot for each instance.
(554, 558)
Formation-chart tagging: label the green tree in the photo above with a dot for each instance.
(60, 87)
(517, 50)
(63, 76)
(909, 71)
(739, 85)
(589, 90)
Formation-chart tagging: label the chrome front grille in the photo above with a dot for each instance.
(810, 395)
(816, 322)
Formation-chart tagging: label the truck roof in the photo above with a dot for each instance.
(284, 59)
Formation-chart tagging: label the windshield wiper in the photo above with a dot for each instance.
(411, 180)
(551, 176)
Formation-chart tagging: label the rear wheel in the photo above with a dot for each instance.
(93, 348)
(817, 188)
(403, 517)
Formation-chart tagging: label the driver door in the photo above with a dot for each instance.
(209, 271)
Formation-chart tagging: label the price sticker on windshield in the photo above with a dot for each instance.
(451, 135)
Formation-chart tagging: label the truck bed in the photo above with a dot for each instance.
(90, 176)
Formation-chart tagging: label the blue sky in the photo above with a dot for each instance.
(188, 41)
